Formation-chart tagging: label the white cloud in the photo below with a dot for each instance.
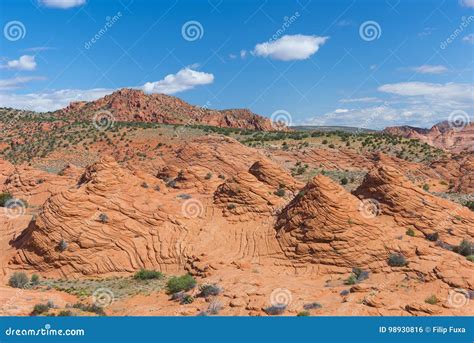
(38, 49)
(62, 4)
(364, 99)
(51, 101)
(341, 110)
(467, 3)
(288, 48)
(16, 82)
(243, 53)
(447, 91)
(469, 38)
(25, 62)
(430, 69)
(183, 80)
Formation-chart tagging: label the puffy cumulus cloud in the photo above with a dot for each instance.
(17, 82)
(430, 69)
(467, 3)
(62, 4)
(184, 79)
(288, 48)
(25, 62)
(51, 101)
(447, 91)
(469, 38)
(45, 101)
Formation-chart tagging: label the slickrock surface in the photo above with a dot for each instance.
(413, 207)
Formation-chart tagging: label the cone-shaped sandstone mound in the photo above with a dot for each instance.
(274, 176)
(323, 225)
(109, 223)
(413, 207)
(257, 192)
(6, 168)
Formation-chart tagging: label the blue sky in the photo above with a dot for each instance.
(356, 63)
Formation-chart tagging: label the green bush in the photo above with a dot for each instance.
(4, 197)
(209, 290)
(280, 192)
(410, 232)
(351, 280)
(103, 218)
(470, 258)
(65, 313)
(426, 187)
(397, 260)
(470, 205)
(18, 280)
(344, 181)
(145, 274)
(180, 283)
(431, 300)
(90, 308)
(187, 299)
(34, 279)
(62, 245)
(465, 248)
(303, 314)
(208, 176)
(39, 309)
(433, 237)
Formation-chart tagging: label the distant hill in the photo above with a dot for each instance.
(441, 135)
(133, 105)
(348, 129)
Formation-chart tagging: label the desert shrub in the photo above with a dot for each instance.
(344, 292)
(426, 187)
(360, 274)
(280, 192)
(178, 296)
(325, 141)
(209, 290)
(208, 176)
(103, 218)
(275, 310)
(62, 245)
(470, 205)
(184, 196)
(351, 280)
(470, 258)
(187, 299)
(431, 300)
(145, 185)
(397, 260)
(40, 309)
(303, 314)
(312, 306)
(465, 248)
(410, 232)
(433, 237)
(157, 188)
(231, 206)
(180, 283)
(18, 280)
(331, 146)
(145, 274)
(65, 313)
(214, 307)
(221, 177)
(344, 181)
(90, 308)
(4, 197)
(34, 279)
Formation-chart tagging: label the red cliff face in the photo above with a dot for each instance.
(135, 106)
